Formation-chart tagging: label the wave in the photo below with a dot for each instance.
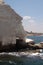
(23, 54)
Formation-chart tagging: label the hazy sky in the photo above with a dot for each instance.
(31, 11)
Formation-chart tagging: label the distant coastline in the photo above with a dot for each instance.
(33, 34)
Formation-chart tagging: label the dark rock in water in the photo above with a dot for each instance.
(7, 48)
(31, 42)
(20, 45)
(41, 44)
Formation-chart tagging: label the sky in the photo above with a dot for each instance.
(31, 11)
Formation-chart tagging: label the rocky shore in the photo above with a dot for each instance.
(21, 46)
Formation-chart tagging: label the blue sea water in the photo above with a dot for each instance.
(29, 60)
(37, 39)
(23, 58)
(25, 61)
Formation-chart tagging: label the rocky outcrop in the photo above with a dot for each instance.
(20, 45)
(7, 48)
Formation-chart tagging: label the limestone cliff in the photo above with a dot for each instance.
(10, 25)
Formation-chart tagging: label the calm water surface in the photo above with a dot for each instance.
(37, 39)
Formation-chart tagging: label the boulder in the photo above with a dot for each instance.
(29, 41)
(41, 43)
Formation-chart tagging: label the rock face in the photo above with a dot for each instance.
(10, 25)
(1, 2)
(41, 44)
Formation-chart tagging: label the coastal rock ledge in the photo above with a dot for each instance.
(20, 45)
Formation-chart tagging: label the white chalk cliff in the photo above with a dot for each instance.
(10, 24)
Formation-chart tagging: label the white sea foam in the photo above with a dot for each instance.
(26, 54)
(11, 62)
(34, 54)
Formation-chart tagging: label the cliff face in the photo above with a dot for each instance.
(10, 25)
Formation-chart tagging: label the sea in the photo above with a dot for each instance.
(23, 58)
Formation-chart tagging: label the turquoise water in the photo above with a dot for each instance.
(27, 62)
(24, 61)
(20, 59)
(37, 39)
